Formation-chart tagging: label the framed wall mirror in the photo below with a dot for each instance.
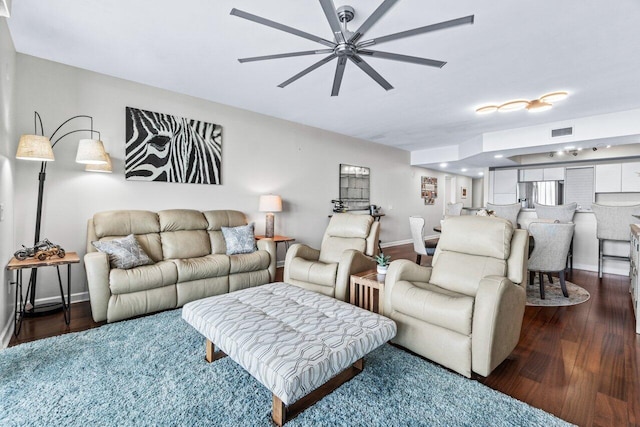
(354, 187)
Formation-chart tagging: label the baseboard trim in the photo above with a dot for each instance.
(77, 297)
(607, 270)
(7, 331)
(396, 243)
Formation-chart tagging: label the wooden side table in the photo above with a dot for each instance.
(367, 290)
(278, 239)
(21, 303)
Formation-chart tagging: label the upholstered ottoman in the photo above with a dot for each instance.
(290, 339)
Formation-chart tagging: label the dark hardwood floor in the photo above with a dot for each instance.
(581, 363)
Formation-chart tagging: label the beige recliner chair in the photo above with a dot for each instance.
(466, 311)
(347, 247)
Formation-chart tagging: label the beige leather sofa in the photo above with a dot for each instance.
(190, 261)
(348, 244)
(466, 311)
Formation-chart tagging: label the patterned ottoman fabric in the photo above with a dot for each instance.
(290, 339)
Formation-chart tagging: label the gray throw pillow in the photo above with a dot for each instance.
(239, 240)
(124, 253)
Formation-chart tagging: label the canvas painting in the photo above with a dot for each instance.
(429, 190)
(162, 147)
(463, 192)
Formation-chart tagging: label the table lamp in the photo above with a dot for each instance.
(270, 203)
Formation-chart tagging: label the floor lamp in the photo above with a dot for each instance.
(40, 148)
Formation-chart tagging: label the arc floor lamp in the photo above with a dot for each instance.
(40, 148)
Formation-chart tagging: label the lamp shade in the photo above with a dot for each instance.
(104, 168)
(35, 147)
(91, 152)
(270, 203)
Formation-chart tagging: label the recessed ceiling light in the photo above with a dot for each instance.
(481, 173)
(498, 156)
(559, 152)
(487, 109)
(569, 147)
(579, 148)
(554, 96)
(443, 165)
(463, 169)
(608, 146)
(518, 104)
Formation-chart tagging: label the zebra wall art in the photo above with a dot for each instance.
(162, 147)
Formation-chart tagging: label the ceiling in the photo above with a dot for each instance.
(515, 49)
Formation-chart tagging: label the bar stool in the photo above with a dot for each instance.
(613, 224)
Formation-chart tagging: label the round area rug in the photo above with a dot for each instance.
(553, 293)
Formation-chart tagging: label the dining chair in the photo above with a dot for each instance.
(551, 241)
(509, 212)
(454, 209)
(612, 223)
(560, 213)
(420, 245)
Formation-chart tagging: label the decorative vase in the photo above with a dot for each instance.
(382, 269)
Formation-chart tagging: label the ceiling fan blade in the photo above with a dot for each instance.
(370, 71)
(284, 55)
(281, 27)
(330, 12)
(402, 58)
(308, 70)
(421, 30)
(372, 19)
(337, 80)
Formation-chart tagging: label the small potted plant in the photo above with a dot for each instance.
(383, 263)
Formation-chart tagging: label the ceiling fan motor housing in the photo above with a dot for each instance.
(345, 13)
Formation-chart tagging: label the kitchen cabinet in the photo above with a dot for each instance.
(505, 185)
(546, 174)
(553, 174)
(531, 175)
(630, 177)
(609, 178)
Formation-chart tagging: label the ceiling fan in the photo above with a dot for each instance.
(347, 44)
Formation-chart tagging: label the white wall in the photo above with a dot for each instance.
(7, 152)
(261, 155)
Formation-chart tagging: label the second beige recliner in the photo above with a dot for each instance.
(466, 311)
(347, 247)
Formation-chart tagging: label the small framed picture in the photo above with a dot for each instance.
(463, 192)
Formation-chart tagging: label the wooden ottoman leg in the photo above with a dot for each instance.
(278, 411)
(212, 354)
(281, 413)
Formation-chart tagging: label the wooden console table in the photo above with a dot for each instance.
(21, 303)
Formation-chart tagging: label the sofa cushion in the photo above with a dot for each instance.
(333, 247)
(239, 240)
(182, 219)
(201, 268)
(123, 223)
(258, 260)
(434, 305)
(477, 235)
(123, 253)
(217, 220)
(462, 273)
(313, 271)
(142, 278)
(185, 244)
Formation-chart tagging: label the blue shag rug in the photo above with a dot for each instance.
(151, 371)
